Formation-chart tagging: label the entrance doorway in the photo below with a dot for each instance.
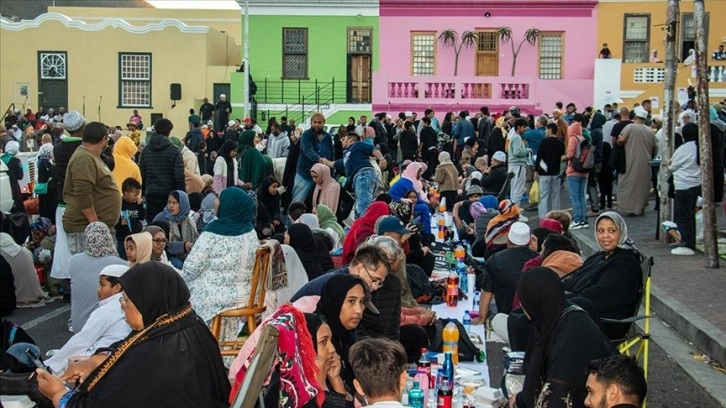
(359, 65)
(52, 79)
(487, 54)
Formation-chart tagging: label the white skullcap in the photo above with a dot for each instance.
(114, 270)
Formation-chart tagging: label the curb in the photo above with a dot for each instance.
(704, 335)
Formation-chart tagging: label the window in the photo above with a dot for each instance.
(636, 38)
(135, 80)
(423, 54)
(53, 65)
(688, 34)
(648, 75)
(550, 55)
(295, 53)
(359, 40)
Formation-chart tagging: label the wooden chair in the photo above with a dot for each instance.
(255, 305)
(251, 390)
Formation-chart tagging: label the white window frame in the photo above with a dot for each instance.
(551, 62)
(644, 43)
(423, 55)
(134, 82)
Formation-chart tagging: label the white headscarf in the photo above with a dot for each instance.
(12, 147)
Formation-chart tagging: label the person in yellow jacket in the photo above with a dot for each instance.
(125, 167)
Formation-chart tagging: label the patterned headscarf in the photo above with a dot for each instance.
(41, 224)
(99, 241)
(46, 151)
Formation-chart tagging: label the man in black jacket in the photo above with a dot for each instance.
(547, 170)
(162, 169)
(493, 178)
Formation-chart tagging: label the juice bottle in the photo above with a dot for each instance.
(450, 336)
(460, 253)
(441, 228)
(452, 289)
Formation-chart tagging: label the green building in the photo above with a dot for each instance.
(310, 55)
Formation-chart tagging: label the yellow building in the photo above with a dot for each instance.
(633, 31)
(107, 67)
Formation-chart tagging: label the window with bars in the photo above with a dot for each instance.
(648, 75)
(359, 40)
(135, 80)
(295, 53)
(550, 55)
(636, 38)
(423, 53)
(486, 41)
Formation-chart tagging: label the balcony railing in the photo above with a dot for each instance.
(485, 89)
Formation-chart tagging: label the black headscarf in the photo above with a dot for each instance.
(225, 151)
(156, 289)
(598, 120)
(271, 202)
(314, 321)
(690, 134)
(331, 301)
(543, 298)
(303, 241)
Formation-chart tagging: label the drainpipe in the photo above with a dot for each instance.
(246, 60)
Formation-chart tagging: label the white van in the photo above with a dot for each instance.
(6, 195)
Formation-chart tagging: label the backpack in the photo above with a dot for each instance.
(584, 159)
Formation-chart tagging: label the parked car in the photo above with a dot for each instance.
(6, 195)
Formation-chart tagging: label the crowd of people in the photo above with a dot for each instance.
(170, 227)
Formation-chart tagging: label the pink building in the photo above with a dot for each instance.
(416, 71)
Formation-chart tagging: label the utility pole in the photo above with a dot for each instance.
(246, 60)
(671, 66)
(710, 241)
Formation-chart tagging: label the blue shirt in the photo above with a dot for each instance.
(355, 157)
(534, 137)
(463, 130)
(312, 150)
(315, 286)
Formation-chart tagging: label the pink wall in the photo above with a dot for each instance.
(576, 19)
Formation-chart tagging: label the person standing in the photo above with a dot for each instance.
(640, 147)
(90, 191)
(596, 139)
(223, 109)
(316, 146)
(207, 111)
(162, 169)
(517, 160)
(576, 181)
(547, 170)
(685, 166)
(463, 130)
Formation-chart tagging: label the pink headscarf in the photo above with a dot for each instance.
(327, 190)
(411, 173)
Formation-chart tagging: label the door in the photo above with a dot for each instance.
(359, 76)
(218, 89)
(487, 54)
(52, 79)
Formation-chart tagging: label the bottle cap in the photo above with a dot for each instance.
(415, 384)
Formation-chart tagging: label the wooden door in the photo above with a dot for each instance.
(359, 77)
(487, 54)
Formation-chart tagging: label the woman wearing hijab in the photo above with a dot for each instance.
(497, 230)
(100, 252)
(219, 267)
(225, 167)
(288, 177)
(363, 228)
(327, 190)
(498, 136)
(28, 292)
(611, 278)
(169, 359)
(411, 180)
(686, 169)
(329, 223)
(563, 342)
(138, 248)
(47, 201)
(268, 208)
(182, 231)
(251, 164)
(342, 302)
(408, 142)
(15, 174)
(124, 166)
(448, 179)
(300, 237)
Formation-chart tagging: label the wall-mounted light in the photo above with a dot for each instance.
(487, 14)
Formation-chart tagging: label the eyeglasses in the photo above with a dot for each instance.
(160, 241)
(376, 282)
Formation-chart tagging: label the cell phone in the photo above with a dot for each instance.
(37, 362)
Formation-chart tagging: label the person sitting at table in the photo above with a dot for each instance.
(379, 366)
(417, 253)
(363, 228)
(502, 270)
(494, 177)
(482, 214)
(611, 279)
(495, 238)
(562, 344)
(411, 180)
(462, 216)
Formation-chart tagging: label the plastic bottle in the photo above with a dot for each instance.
(416, 396)
(463, 281)
(452, 289)
(460, 252)
(439, 378)
(450, 336)
(466, 321)
(441, 228)
(422, 378)
(445, 396)
(426, 364)
(442, 205)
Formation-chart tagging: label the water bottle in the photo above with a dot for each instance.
(463, 281)
(424, 363)
(416, 396)
(448, 368)
(422, 378)
(439, 378)
(466, 322)
(475, 304)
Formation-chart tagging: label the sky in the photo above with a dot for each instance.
(195, 4)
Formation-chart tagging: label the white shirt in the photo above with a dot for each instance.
(386, 404)
(106, 325)
(686, 172)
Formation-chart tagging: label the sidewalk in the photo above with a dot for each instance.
(684, 293)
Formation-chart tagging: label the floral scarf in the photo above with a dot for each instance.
(99, 241)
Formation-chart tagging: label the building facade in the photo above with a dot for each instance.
(416, 69)
(309, 56)
(108, 67)
(634, 34)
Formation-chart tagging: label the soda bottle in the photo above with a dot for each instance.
(463, 281)
(466, 321)
(452, 289)
(424, 363)
(460, 253)
(441, 228)
(416, 396)
(445, 395)
(450, 337)
(474, 312)
(422, 378)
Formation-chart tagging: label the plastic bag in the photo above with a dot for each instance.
(534, 192)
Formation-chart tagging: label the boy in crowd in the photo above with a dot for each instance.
(132, 212)
(295, 210)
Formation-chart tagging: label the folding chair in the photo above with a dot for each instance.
(627, 345)
(505, 188)
(251, 389)
(255, 305)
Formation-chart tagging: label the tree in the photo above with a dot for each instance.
(504, 34)
(450, 39)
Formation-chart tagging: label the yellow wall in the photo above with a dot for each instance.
(610, 30)
(196, 60)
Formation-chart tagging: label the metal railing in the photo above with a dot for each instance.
(10, 108)
(300, 97)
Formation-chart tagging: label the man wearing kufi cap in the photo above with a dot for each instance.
(223, 110)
